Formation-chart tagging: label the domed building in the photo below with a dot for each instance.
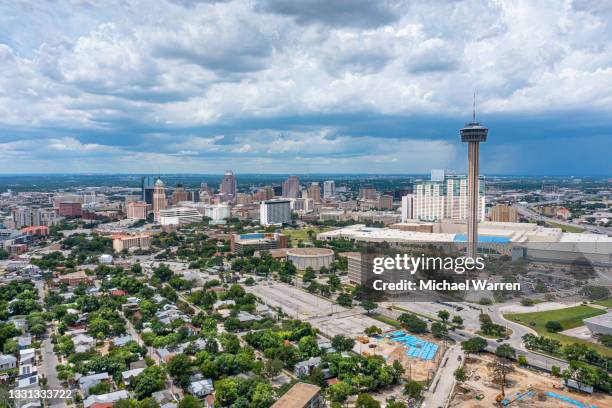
(316, 258)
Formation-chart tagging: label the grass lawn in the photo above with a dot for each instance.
(302, 234)
(569, 318)
(607, 302)
(565, 228)
(387, 320)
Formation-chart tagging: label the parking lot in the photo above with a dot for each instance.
(330, 318)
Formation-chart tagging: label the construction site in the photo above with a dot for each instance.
(523, 388)
(420, 357)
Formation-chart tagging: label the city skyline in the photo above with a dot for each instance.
(379, 87)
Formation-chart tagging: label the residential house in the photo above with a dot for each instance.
(27, 356)
(122, 341)
(106, 398)
(88, 381)
(7, 361)
(129, 374)
(301, 395)
(304, 368)
(201, 388)
(24, 341)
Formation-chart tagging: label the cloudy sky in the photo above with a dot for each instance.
(283, 86)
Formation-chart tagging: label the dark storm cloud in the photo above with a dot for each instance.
(351, 13)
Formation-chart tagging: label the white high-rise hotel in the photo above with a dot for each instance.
(444, 199)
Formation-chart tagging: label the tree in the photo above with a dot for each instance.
(340, 391)
(262, 396)
(272, 367)
(439, 330)
(344, 299)
(178, 367)
(308, 347)
(368, 306)
(189, 401)
(226, 392)
(413, 389)
(581, 373)
(150, 380)
(413, 323)
(474, 345)
(522, 360)
(309, 275)
(460, 375)
(458, 320)
(555, 371)
(342, 343)
(505, 351)
(366, 401)
(443, 315)
(553, 326)
(373, 330)
(163, 272)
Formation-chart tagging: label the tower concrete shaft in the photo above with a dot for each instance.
(473, 199)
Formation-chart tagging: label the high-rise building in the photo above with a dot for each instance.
(179, 194)
(504, 213)
(147, 186)
(159, 198)
(303, 205)
(291, 187)
(367, 193)
(137, 210)
(217, 212)
(385, 202)
(314, 192)
(34, 217)
(228, 185)
(329, 189)
(473, 134)
(70, 209)
(179, 216)
(437, 200)
(263, 194)
(274, 212)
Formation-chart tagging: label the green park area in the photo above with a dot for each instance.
(569, 318)
(606, 302)
(303, 234)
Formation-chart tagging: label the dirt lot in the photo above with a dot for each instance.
(520, 381)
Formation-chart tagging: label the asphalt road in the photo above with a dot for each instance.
(444, 380)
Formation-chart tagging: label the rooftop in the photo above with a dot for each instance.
(298, 396)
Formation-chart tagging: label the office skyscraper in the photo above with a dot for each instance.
(159, 198)
(329, 189)
(291, 187)
(314, 192)
(147, 185)
(473, 134)
(228, 185)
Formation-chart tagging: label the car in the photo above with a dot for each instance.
(499, 340)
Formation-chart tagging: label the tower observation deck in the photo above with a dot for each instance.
(473, 133)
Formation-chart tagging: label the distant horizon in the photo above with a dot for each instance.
(237, 174)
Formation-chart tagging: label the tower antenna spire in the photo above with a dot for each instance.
(474, 108)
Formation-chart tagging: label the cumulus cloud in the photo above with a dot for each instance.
(199, 83)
